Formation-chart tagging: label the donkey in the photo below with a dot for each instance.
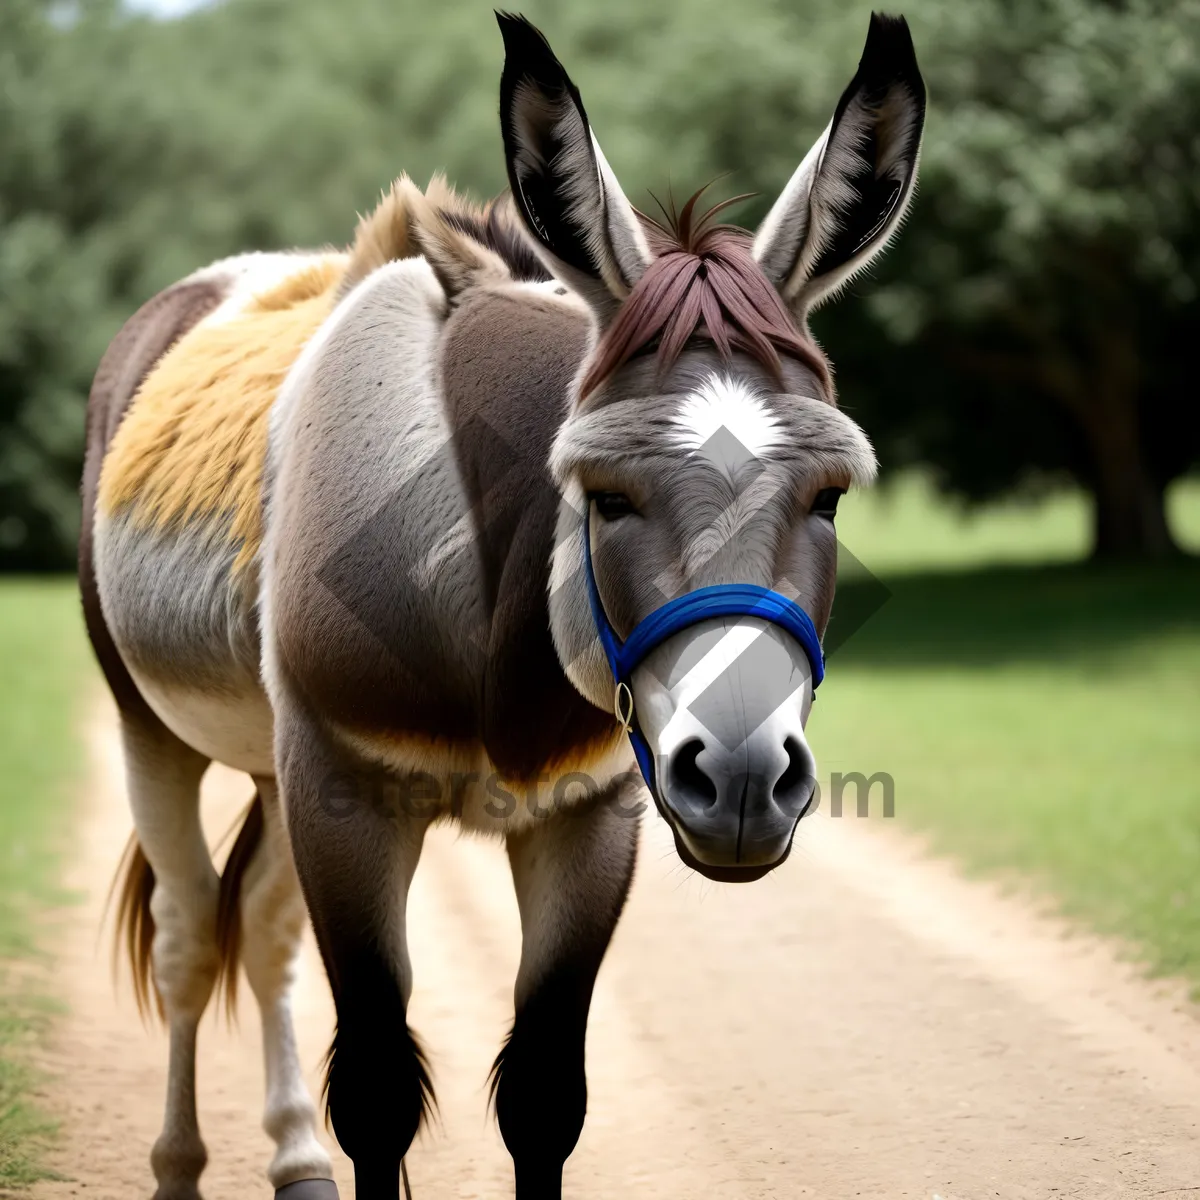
(490, 519)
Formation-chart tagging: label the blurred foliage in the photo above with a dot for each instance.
(1030, 324)
(1037, 311)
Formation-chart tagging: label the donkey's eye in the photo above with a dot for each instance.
(613, 505)
(826, 501)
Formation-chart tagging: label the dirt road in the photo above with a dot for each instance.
(863, 1023)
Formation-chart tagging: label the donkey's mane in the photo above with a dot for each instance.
(406, 217)
(495, 226)
(703, 284)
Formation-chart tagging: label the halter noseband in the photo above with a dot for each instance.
(720, 600)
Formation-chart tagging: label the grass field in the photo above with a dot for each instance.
(1036, 719)
(45, 668)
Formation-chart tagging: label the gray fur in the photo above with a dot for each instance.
(817, 438)
(199, 626)
(375, 574)
(357, 428)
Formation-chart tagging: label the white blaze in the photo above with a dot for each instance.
(725, 403)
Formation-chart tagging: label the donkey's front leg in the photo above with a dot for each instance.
(572, 873)
(356, 849)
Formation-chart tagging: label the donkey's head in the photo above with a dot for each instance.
(703, 454)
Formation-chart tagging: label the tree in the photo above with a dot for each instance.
(49, 295)
(1033, 321)
(1043, 298)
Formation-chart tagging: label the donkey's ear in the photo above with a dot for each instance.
(582, 224)
(850, 193)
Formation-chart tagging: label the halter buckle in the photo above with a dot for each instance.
(623, 706)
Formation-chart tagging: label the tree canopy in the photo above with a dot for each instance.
(1045, 290)
(1030, 325)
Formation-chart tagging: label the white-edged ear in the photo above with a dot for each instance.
(584, 228)
(850, 193)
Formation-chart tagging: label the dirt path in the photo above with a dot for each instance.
(863, 1023)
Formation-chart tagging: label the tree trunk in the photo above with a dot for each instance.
(1129, 518)
(1099, 391)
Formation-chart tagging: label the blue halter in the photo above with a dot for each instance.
(721, 600)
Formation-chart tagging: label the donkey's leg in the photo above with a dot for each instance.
(164, 792)
(572, 875)
(272, 925)
(356, 854)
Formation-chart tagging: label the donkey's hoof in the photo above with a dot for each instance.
(308, 1189)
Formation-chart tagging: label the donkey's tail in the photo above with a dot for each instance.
(133, 886)
(229, 906)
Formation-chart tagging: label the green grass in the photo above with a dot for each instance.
(1037, 720)
(45, 672)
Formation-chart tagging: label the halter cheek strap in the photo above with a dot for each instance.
(721, 600)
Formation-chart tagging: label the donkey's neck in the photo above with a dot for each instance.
(508, 359)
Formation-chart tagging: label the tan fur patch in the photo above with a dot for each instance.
(194, 440)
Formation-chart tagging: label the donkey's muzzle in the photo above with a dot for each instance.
(734, 810)
(722, 705)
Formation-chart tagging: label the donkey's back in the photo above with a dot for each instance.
(312, 440)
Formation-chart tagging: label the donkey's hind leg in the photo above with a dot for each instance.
(572, 873)
(163, 776)
(273, 918)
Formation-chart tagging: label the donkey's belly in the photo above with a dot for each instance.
(232, 725)
(185, 623)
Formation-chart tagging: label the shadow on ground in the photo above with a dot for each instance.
(1077, 613)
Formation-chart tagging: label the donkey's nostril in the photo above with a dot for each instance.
(688, 780)
(796, 782)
